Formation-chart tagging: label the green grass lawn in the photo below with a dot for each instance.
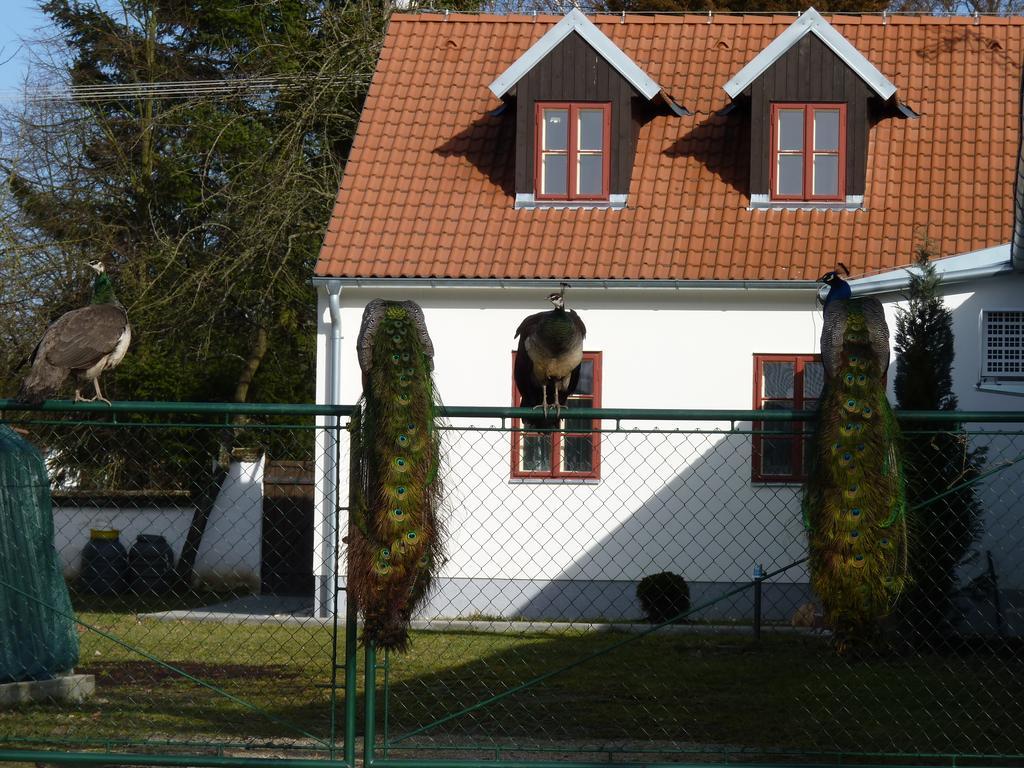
(702, 692)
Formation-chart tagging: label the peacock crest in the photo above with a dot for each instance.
(395, 543)
(854, 501)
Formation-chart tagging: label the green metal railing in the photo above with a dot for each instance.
(532, 652)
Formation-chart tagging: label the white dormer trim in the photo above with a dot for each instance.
(810, 21)
(575, 21)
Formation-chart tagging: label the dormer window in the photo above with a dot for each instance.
(579, 102)
(811, 99)
(808, 151)
(572, 151)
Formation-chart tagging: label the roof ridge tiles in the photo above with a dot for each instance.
(717, 17)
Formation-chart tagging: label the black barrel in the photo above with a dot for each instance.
(150, 565)
(104, 564)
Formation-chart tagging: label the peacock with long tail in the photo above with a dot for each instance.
(854, 502)
(395, 541)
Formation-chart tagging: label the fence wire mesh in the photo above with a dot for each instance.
(639, 591)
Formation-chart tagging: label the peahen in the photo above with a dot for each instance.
(395, 544)
(84, 342)
(547, 369)
(854, 502)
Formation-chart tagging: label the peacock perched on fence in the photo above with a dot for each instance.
(84, 342)
(395, 541)
(549, 360)
(854, 502)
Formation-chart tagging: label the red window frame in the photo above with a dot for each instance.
(808, 152)
(798, 444)
(572, 151)
(556, 472)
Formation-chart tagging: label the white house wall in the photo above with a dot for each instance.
(1002, 494)
(665, 501)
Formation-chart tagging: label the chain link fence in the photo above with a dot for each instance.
(635, 589)
(189, 544)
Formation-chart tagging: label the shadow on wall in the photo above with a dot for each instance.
(707, 522)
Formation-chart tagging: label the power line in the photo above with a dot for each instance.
(179, 88)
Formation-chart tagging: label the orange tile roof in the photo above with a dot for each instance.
(427, 190)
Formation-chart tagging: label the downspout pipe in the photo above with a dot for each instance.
(334, 308)
(334, 289)
(332, 468)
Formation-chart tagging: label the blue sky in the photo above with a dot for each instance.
(18, 18)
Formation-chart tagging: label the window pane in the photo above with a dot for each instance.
(777, 405)
(579, 453)
(806, 448)
(777, 380)
(790, 178)
(826, 175)
(791, 130)
(826, 130)
(777, 452)
(814, 380)
(807, 441)
(784, 427)
(555, 178)
(579, 425)
(591, 178)
(556, 129)
(591, 129)
(536, 453)
(777, 456)
(586, 382)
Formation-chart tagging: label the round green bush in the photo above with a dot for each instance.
(663, 596)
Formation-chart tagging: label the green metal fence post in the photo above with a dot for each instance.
(758, 580)
(350, 620)
(351, 629)
(350, 678)
(370, 705)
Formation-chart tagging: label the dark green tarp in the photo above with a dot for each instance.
(36, 641)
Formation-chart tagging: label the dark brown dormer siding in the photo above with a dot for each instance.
(574, 71)
(809, 72)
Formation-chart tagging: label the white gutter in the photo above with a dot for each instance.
(532, 285)
(952, 269)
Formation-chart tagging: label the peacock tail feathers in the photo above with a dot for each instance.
(395, 544)
(854, 500)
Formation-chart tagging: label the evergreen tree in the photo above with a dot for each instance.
(937, 459)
